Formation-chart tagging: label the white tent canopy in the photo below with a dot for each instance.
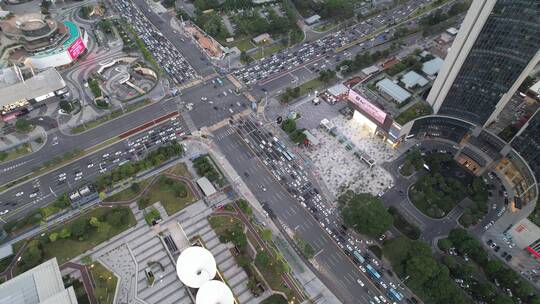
(196, 266)
(214, 292)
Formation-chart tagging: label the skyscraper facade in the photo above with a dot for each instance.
(527, 144)
(497, 47)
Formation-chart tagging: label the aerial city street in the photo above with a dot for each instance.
(260, 151)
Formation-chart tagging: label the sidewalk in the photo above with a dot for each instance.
(16, 139)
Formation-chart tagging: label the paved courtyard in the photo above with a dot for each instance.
(132, 252)
(340, 168)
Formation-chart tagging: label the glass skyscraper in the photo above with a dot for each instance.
(497, 47)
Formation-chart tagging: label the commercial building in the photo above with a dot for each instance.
(527, 143)
(20, 94)
(313, 19)
(432, 67)
(392, 90)
(412, 79)
(44, 42)
(262, 38)
(496, 48)
(40, 285)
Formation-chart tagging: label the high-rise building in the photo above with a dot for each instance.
(527, 144)
(497, 47)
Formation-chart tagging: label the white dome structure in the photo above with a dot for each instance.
(196, 266)
(214, 292)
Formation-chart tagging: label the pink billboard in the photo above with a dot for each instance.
(366, 106)
(76, 48)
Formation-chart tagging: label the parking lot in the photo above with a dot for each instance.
(290, 173)
(308, 52)
(164, 52)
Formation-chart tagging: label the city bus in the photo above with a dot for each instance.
(359, 257)
(372, 272)
(394, 295)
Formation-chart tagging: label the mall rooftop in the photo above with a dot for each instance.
(35, 87)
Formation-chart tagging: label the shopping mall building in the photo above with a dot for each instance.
(42, 42)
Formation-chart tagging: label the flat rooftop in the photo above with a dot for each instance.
(43, 83)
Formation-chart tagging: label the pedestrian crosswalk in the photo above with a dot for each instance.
(221, 135)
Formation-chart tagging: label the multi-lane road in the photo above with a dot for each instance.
(204, 104)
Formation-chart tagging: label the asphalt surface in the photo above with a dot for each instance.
(186, 46)
(311, 218)
(44, 189)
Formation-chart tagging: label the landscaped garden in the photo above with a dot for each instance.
(105, 283)
(76, 237)
(129, 193)
(173, 194)
(445, 185)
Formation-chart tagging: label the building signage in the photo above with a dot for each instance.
(367, 107)
(76, 48)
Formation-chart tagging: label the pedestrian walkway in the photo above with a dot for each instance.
(16, 139)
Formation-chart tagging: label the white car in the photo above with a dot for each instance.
(362, 268)
(204, 98)
(360, 282)
(90, 165)
(19, 193)
(4, 212)
(383, 284)
(32, 195)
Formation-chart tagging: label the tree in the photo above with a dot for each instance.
(266, 235)
(445, 245)
(66, 105)
(327, 75)
(263, 259)
(135, 187)
(45, 4)
(117, 217)
(64, 233)
(79, 228)
(244, 57)
(366, 214)
(32, 256)
(53, 236)
(297, 136)
(289, 125)
(94, 222)
(22, 125)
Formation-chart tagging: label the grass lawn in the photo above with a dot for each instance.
(221, 224)
(105, 283)
(275, 299)
(128, 193)
(242, 44)
(324, 27)
(268, 50)
(66, 249)
(275, 281)
(180, 170)
(417, 110)
(310, 85)
(164, 190)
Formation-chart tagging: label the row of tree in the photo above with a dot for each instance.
(424, 275)
(295, 135)
(154, 158)
(204, 167)
(361, 60)
(494, 269)
(78, 230)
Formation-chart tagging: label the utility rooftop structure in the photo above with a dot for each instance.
(394, 91)
(214, 292)
(35, 89)
(40, 285)
(196, 266)
(412, 78)
(206, 186)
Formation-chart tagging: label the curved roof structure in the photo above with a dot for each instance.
(196, 266)
(214, 292)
